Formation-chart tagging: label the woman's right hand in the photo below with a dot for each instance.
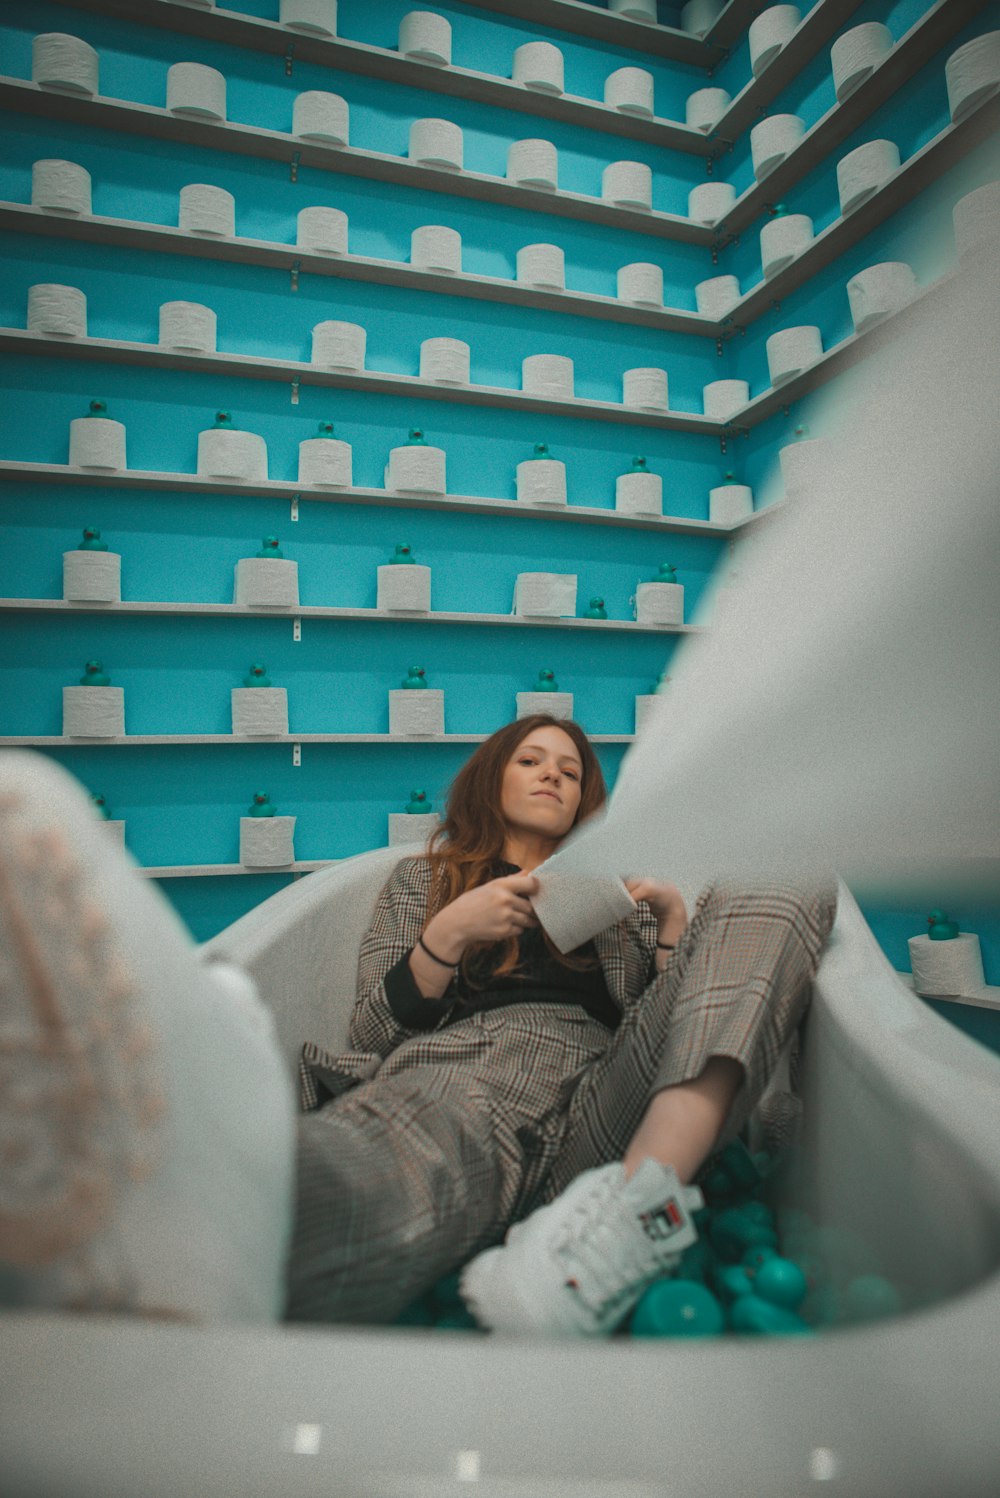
(492, 912)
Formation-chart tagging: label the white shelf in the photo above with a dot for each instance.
(10, 741)
(297, 373)
(159, 238)
(987, 997)
(185, 483)
(659, 41)
(250, 32)
(398, 616)
(278, 145)
(200, 870)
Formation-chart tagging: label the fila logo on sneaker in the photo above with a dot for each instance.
(664, 1222)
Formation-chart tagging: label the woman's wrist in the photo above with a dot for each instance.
(671, 928)
(443, 939)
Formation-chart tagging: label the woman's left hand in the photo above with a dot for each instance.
(665, 900)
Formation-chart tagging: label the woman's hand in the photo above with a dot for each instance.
(492, 912)
(665, 900)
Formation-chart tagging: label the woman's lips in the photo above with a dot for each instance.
(546, 793)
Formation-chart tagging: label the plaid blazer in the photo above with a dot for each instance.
(533, 1052)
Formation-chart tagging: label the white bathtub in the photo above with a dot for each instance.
(901, 1144)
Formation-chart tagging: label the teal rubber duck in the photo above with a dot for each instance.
(801, 432)
(100, 802)
(546, 682)
(93, 675)
(639, 465)
(541, 450)
(325, 429)
(779, 210)
(258, 677)
(666, 574)
(418, 804)
(98, 408)
(659, 685)
(415, 678)
(941, 929)
(269, 547)
(750, 1313)
(261, 805)
(92, 540)
(596, 609)
(224, 419)
(403, 553)
(677, 1308)
(729, 477)
(416, 438)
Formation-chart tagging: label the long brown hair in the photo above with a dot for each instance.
(473, 834)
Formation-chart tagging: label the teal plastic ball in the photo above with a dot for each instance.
(678, 1308)
(756, 1256)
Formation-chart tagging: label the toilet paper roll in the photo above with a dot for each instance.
(411, 827)
(416, 470)
(556, 704)
(541, 481)
(729, 503)
(259, 712)
(196, 91)
(92, 577)
(416, 712)
(659, 603)
(645, 389)
(227, 454)
(97, 442)
(976, 218)
(57, 309)
(445, 360)
(60, 187)
(710, 201)
(533, 163)
(93, 712)
(717, 296)
(630, 91)
(187, 325)
(639, 494)
(628, 184)
(641, 283)
(855, 55)
(723, 398)
(325, 462)
(863, 171)
(972, 74)
(426, 37)
(548, 595)
(322, 230)
(320, 116)
(782, 240)
(791, 350)
(207, 210)
(772, 139)
(643, 708)
(433, 247)
(804, 466)
(266, 582)
(406, 589)
(571, 908)
(549, 375)
(542, 265)
(339, 345)
(705, 108)
(880, 290)
(946, 967)
(699, 16)
(267, 842)
(64, 62)
(435, 142)
(769, 32)
(635, 10)
(539, 65)
(316, 16)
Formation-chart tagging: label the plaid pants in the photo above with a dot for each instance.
(402, 1179)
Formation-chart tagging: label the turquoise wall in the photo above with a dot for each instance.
(182, 803)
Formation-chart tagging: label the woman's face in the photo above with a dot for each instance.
(543, 783)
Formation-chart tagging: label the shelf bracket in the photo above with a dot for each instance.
(294, 273)
(722, 444)
(296, 755)
(295, 506)
(297, 631)
(709, 166)
(295, 391)
(288, 59)
(293, 170)
(718, 347)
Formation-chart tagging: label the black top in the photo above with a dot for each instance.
(540, 979)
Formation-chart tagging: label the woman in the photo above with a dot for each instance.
(492, 1075)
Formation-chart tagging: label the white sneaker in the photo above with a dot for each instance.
(577, 1266)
